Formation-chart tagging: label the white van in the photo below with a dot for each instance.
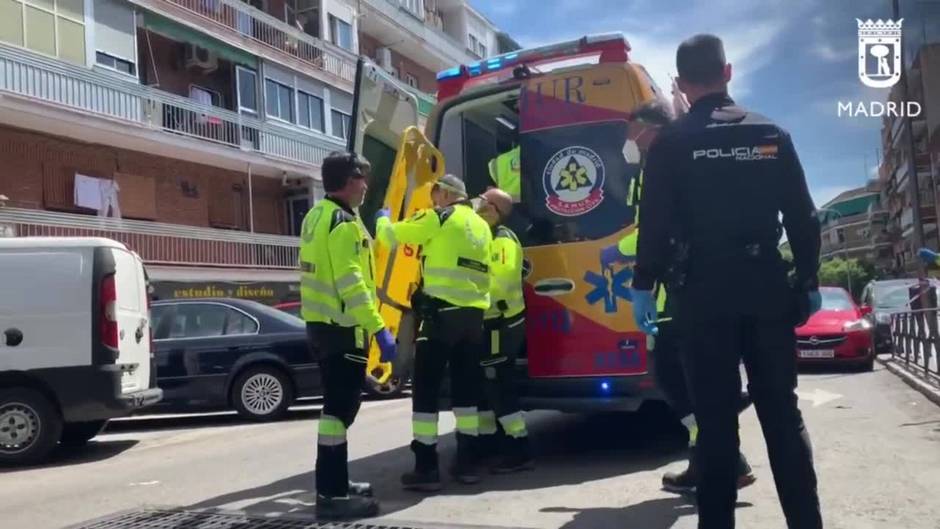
(75, 344)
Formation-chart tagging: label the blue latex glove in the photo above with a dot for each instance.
(815, 301)
(928, 256)
(611, 254)
(384, 212)
(644, 311)
(387, 345)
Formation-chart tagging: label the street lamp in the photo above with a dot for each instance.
(845, 247)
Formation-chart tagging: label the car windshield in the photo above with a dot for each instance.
(893, 297)
(836, 299)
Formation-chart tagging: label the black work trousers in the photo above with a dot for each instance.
(713, 344)
(503, 339)
(448, 337)
(668, 371)
(342, 360)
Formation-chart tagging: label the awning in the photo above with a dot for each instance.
(179, 32)
(192, 274)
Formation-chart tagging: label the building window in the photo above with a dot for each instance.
(53, 27)
(114, 63)
(411, 80)
(341, 33)
(308, 17)
(415, 7)
(481, 50)
(474, 43)
(341, 124)
(309, 111)
(279, 100)
(247, 90)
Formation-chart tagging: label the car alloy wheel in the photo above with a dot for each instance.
(262, 394)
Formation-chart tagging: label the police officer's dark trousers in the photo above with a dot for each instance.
(503, 338)
(448, 336)
(343, 370)
(727, 314)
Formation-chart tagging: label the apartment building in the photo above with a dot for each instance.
(855, 226)
(899, 166)
(193, 130)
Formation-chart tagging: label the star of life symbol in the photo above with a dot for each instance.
(879, 52)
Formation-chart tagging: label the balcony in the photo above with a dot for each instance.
(159, 243)
(90, 93)
(393, 21)
(243, 26)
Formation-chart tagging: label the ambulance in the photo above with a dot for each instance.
(567, 115)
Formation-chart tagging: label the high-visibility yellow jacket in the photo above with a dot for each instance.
(505, 170)
(506, 296)
(337, 282)
(456, 247)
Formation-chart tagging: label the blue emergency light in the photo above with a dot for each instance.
(605, 386)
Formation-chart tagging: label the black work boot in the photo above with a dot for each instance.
(363, 489)
(517, 458)
(684, 482)
(425, 477)
(464, 469)
(346, 507)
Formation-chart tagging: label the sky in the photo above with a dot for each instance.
(792, 60)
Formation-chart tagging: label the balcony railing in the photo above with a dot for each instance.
(159, 243)
(28, 75)
(435, 39)
(241, 20)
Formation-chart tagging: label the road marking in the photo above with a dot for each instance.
(244, 504)
(144, 483)
(818, 396)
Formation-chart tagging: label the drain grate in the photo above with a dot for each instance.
(182, 519)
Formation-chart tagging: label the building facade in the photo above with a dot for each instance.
(855, 226)
(898, 166)
(193, 130)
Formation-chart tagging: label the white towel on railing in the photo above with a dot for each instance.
(87, 192)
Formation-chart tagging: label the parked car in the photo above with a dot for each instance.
(839, 332)
(75, 345)
(230, 353)
(883, 299)
(391, 388)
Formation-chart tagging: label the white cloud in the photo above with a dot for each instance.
(829, 53)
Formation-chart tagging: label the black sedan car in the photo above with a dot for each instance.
(885, 298)
(230, 353)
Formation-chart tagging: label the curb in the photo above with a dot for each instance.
(931, 392)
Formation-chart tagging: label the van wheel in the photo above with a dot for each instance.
(30, 426)
(76, 434)
(262, 393)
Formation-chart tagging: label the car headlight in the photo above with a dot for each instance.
(858, 325)
(883, 318)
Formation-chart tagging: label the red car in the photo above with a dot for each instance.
(839, 333)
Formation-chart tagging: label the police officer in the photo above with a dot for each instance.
(455, 247)
(338, 303)
(504, 335)
(717, 180)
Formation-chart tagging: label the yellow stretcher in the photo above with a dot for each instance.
(418, 165)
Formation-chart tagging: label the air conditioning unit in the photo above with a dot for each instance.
(201, 58)
(384, 57)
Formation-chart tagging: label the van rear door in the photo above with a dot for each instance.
(133, 321)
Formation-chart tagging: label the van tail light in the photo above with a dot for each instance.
(108, 314)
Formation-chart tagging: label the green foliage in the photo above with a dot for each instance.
(843, 272)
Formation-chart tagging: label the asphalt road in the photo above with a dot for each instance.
(876, 441)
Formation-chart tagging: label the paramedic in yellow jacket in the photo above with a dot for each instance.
(504, 336)
(455, 291)
(506, 170)
(337, 290)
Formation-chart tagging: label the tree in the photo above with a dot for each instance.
(841, 272)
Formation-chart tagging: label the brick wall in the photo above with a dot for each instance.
(38, 172)
(427, 80)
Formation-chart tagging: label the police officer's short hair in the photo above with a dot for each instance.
(338, 167)
(701, 60)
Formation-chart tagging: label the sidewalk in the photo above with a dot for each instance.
(913, 374)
